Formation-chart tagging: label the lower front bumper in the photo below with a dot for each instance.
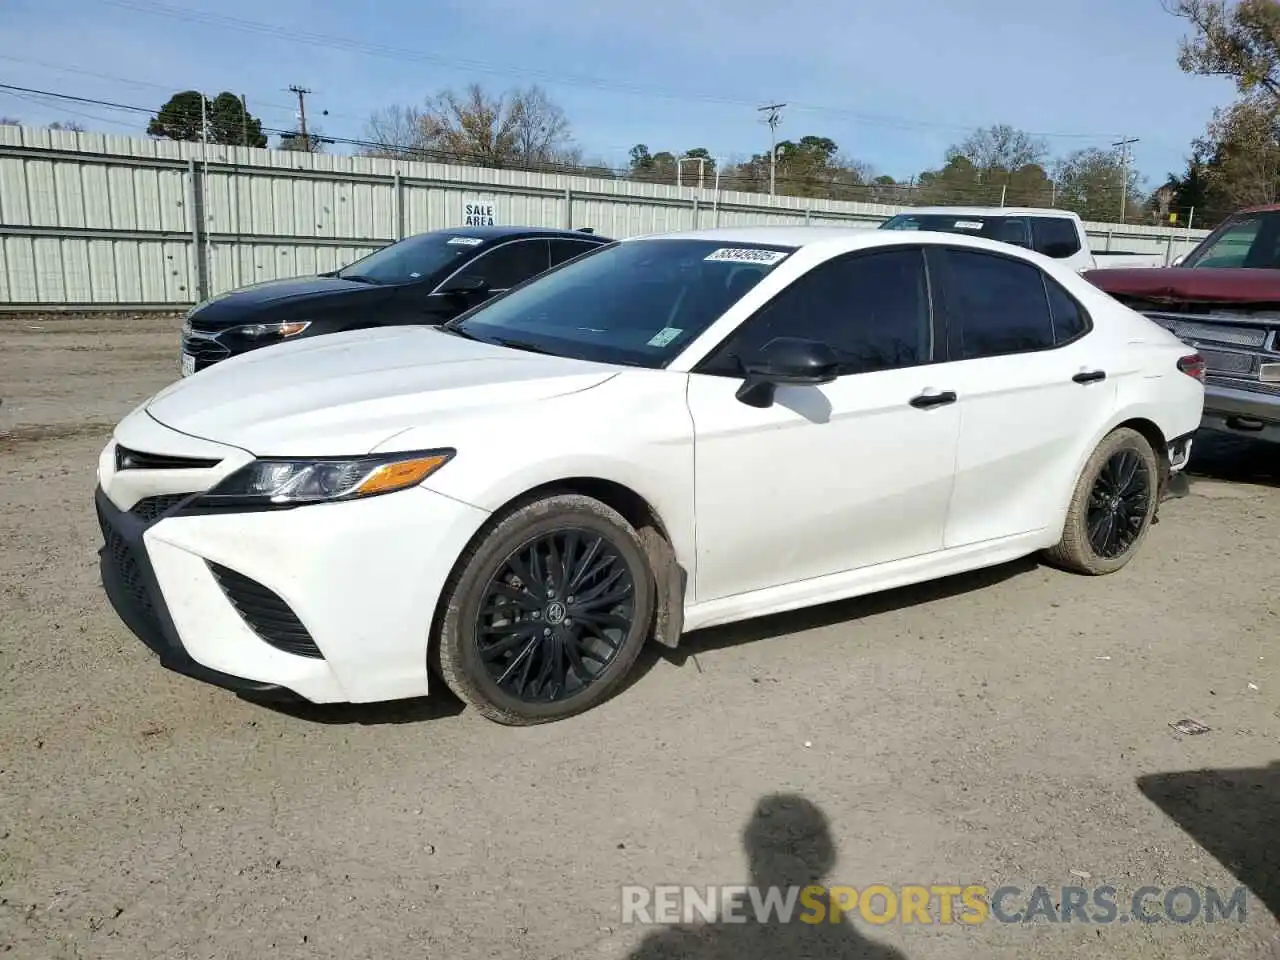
(129, 582)
(1245, 412)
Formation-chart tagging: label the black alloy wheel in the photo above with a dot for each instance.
(545, 612)
(1112, 506)
(555, 615)
(1119, 504)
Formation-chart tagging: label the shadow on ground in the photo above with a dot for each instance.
(842, 611)
(789, 846)
(1234, 814)
(415, 710)
(1227, 456)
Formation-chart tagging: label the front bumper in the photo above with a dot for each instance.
(1252, 410)
(360, 579)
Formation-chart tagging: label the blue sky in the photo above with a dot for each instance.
(892, 83)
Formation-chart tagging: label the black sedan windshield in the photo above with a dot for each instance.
(639, 302)
(411, 259)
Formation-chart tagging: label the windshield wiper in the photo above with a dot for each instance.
(357, 277)
(523, 345)
(459, 332)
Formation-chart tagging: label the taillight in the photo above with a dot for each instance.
(1192, 365)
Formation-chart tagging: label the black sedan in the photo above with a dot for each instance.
(428, 278)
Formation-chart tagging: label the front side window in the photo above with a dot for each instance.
(638, 302)
(872, 309)
(997, 303)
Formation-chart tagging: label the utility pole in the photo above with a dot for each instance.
(773, 119)
(1124, 173)
(302, 114)
(244, 121)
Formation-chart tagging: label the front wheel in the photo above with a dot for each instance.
(545, 615)
(1111, 510)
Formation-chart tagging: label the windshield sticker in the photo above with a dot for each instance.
(968, 224)
(466, 241)
(665, 335)
(734, 255)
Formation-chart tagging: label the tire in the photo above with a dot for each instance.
(546, 637)
(1077, 551)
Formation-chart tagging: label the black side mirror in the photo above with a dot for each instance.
(786, 361)
(466, 284)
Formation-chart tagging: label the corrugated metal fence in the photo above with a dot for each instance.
(89, 221)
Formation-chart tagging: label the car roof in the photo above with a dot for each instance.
(985, 212)
(839, 239)
(510, 232)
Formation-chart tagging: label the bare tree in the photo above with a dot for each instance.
(1000, 148)
(541, 128)
(1244, 141)
(396, 131)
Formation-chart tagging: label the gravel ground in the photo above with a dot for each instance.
(1007, 727)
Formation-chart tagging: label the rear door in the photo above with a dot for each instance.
(1033, 387)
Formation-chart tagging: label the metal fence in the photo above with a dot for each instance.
(89, 221)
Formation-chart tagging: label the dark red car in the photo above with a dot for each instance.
(1223, 299)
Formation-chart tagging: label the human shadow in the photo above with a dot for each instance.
(1234, 814)
(789, 845)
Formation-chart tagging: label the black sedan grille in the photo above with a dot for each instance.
(266, 613)
(205, 351)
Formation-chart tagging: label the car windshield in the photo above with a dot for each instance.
(638, 302)
(1249, 241)
(1004, 229)
(411, 259)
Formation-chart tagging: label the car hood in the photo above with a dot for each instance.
(1195, 284)
(231, 306)
(346, 393)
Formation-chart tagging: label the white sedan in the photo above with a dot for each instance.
(667, 433)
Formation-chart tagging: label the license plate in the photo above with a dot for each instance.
(188, 364)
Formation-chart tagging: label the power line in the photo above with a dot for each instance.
(525, 73)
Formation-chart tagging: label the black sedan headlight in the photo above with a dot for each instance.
(269, 331)
(293, 482)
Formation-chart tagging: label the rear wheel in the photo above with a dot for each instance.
(546, 615)
(1111, 510)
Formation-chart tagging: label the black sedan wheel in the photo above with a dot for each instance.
(547, 613)
(1111, 510)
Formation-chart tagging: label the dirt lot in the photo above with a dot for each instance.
(1011, 727)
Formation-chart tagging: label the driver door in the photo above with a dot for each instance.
(835, 477)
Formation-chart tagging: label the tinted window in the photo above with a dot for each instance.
(413, 258)
(974, 225)
(637, 302)
(562, 250)
(1246, 242)
(1068, 317)
(1056, 237)
(872, 309)
(510, 264)
(998, 304)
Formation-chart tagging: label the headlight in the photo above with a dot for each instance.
(265, 331)
(283, 483)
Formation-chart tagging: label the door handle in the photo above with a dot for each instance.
(927, 400)
(1089, 376)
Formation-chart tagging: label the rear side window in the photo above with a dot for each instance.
(996, 305)
(1069, 319)
(511, 264)
(565, 250)
(1056, 237)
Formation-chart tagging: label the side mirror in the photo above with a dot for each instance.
(792, 361)
(1177, 261)
(466, 284)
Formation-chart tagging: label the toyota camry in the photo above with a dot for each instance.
(667, 433)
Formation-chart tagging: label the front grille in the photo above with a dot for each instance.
(151, 509)
(1221, 361)
(1236, 336)
(1252, 386)
(127, 459)
(266, 613)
